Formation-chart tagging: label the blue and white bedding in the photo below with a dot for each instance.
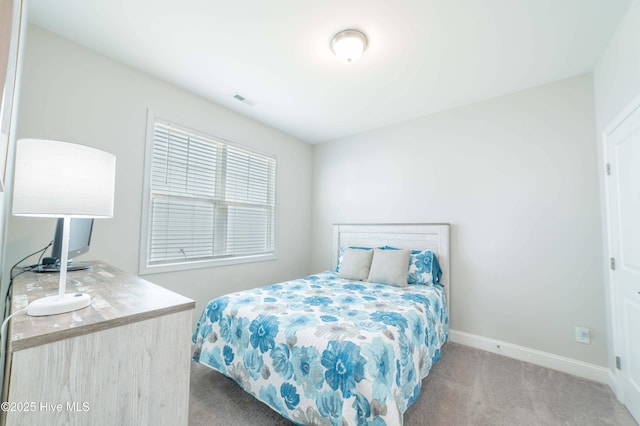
(322, 350)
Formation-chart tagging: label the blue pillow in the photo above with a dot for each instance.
(341, 254)
(423, 267)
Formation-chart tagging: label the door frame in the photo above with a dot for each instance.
(617, 345)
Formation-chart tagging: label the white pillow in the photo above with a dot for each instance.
(389, 267)
(355, 264)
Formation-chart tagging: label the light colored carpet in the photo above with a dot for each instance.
(466, 387)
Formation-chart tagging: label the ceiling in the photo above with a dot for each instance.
(423, 56)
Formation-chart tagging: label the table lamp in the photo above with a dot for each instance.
(61, 179)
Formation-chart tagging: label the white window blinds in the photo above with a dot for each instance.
(208, 200)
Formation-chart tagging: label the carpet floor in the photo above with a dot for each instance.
(466, 387)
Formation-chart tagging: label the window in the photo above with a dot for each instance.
(207, 203)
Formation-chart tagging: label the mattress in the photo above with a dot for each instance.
(324, 350)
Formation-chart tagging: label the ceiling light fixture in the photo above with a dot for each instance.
(348, 45)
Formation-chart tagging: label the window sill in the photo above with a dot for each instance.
(145, 269)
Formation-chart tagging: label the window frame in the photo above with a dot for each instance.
(145, 222)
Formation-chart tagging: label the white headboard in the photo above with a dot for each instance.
(419, 236)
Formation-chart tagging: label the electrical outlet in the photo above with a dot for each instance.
(583, 335)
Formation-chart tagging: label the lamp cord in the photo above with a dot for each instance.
(7, 298)
(4, 329)
(41, 251)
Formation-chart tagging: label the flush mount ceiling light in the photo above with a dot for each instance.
(348, 45)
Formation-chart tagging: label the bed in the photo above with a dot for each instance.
(329, 350)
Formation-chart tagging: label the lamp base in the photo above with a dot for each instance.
(53, 305)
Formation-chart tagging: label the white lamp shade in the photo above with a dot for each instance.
(54, 178)
(348, 45)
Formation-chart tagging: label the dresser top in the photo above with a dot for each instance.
(117, 298)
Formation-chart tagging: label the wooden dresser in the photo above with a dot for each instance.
(124, 360)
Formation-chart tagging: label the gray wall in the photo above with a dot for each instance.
(516, 177)
(72, 94)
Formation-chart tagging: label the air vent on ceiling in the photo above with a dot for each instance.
(242, 99)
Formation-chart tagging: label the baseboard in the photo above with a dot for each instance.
(613, 384)
(543, 359)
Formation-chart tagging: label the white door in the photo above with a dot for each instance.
(624, 209)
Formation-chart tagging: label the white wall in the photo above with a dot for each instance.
(616, 77)
(516, 178)
(72, 94)
(616, 81)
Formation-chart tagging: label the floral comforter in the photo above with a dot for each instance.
(322, 350)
